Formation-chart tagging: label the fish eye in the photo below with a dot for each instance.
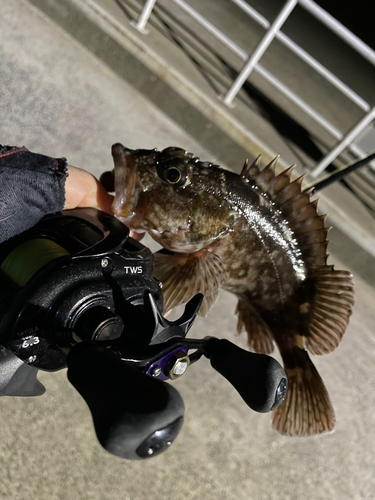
(175, 176)
(173, 173)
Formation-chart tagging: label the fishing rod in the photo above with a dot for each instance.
(341, 173)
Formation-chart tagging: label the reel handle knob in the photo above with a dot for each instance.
(135, 416)
(259, 379)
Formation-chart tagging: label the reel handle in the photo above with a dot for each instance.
(135, 416)
(259, 379)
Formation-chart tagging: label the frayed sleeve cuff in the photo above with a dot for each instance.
(31, 186)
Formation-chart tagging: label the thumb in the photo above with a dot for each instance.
(83, 190)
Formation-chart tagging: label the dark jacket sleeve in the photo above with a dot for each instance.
(31, 186)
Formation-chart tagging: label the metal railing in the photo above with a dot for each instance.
(252, 64)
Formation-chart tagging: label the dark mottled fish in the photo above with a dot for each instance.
(257, 235)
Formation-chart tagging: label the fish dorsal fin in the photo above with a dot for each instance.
(327, 316)
(185, 275)
(295, 205)
(330, 305)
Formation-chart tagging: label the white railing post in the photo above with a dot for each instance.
(144, 16)
(259, 51)
(349, 137)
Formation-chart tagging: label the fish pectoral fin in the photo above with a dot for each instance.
(185, 275)
(259, 336)
(307, 409)
(329, 312)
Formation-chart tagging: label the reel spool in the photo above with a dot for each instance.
(69, 279)
(26, 259)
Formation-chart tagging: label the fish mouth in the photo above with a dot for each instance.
(128, 185)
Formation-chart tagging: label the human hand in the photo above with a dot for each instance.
(83, 190)
(107, 179)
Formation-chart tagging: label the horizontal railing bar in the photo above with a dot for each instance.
(339, 29)
(359, 152)
(212, 29)
(298, 101)
(345, 142)
(311, 61)
(259, 51)
(252, 13)
(305, 56)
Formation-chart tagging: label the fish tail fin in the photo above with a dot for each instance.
(307, 409)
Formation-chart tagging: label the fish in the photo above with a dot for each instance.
(258, 235)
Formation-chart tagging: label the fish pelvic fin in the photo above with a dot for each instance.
(307, 409)
(208, 301)
(259, 336)
(329, 312)
(185, 275)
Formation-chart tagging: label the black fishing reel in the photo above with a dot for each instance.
(76, 291)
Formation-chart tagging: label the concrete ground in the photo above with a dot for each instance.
(58, 99)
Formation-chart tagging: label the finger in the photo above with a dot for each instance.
(137, 236)
(107, 180)
(104, 200)
(83, 190)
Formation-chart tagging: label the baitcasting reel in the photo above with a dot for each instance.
(77, 291)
